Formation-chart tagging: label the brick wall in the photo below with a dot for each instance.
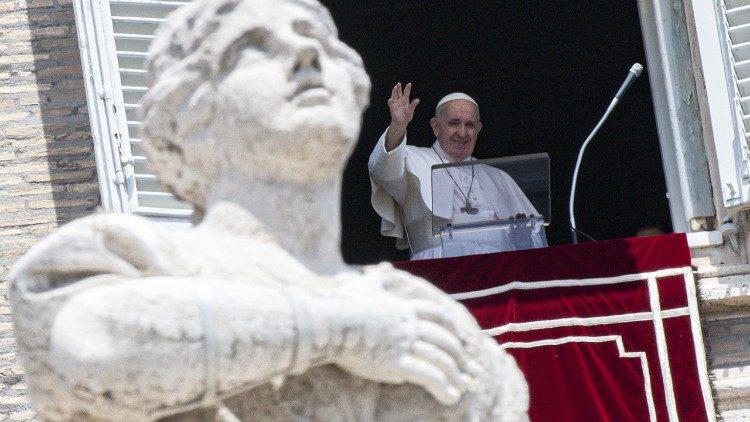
(47, 167)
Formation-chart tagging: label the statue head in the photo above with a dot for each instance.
(261, 90)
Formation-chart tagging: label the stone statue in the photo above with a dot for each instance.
(252, 314)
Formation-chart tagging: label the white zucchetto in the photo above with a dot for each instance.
(455, 96)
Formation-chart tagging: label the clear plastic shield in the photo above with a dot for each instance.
(493, 205)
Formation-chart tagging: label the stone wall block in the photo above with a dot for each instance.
(7, 6)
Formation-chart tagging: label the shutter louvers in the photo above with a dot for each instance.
(738, 27)
(134, 23)
(722, 50)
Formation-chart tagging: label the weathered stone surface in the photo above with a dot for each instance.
(253, 314)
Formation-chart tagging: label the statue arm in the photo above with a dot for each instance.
(113, 321)
(175, 340)
(178, 339)
(97, 299)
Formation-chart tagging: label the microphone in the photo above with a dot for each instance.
(635, 71)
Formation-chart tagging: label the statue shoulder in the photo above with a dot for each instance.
(119, 244)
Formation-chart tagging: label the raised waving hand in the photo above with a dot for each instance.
(402, 111)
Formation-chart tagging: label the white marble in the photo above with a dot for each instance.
(251, 314)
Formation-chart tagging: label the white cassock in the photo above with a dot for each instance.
(403, 192)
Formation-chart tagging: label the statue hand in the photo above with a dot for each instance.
(395, 340)
(409, 286)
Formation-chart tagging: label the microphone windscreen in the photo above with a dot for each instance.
(637, 69)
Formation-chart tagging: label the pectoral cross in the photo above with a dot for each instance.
(469, 209)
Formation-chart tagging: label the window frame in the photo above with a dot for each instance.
(687, 168)
(116, 164)
(106, 126)
(725, 134)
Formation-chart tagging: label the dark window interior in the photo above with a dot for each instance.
(543, 72)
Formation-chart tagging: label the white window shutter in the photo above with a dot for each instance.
(124, 31)
(722, 30)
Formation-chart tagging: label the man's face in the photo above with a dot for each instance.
(456, 128)
(293, 91)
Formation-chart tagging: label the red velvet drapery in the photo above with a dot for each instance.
(602, 331)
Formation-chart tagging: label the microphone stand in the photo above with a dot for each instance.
(634, 72)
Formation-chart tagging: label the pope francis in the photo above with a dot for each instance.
(402, 181)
